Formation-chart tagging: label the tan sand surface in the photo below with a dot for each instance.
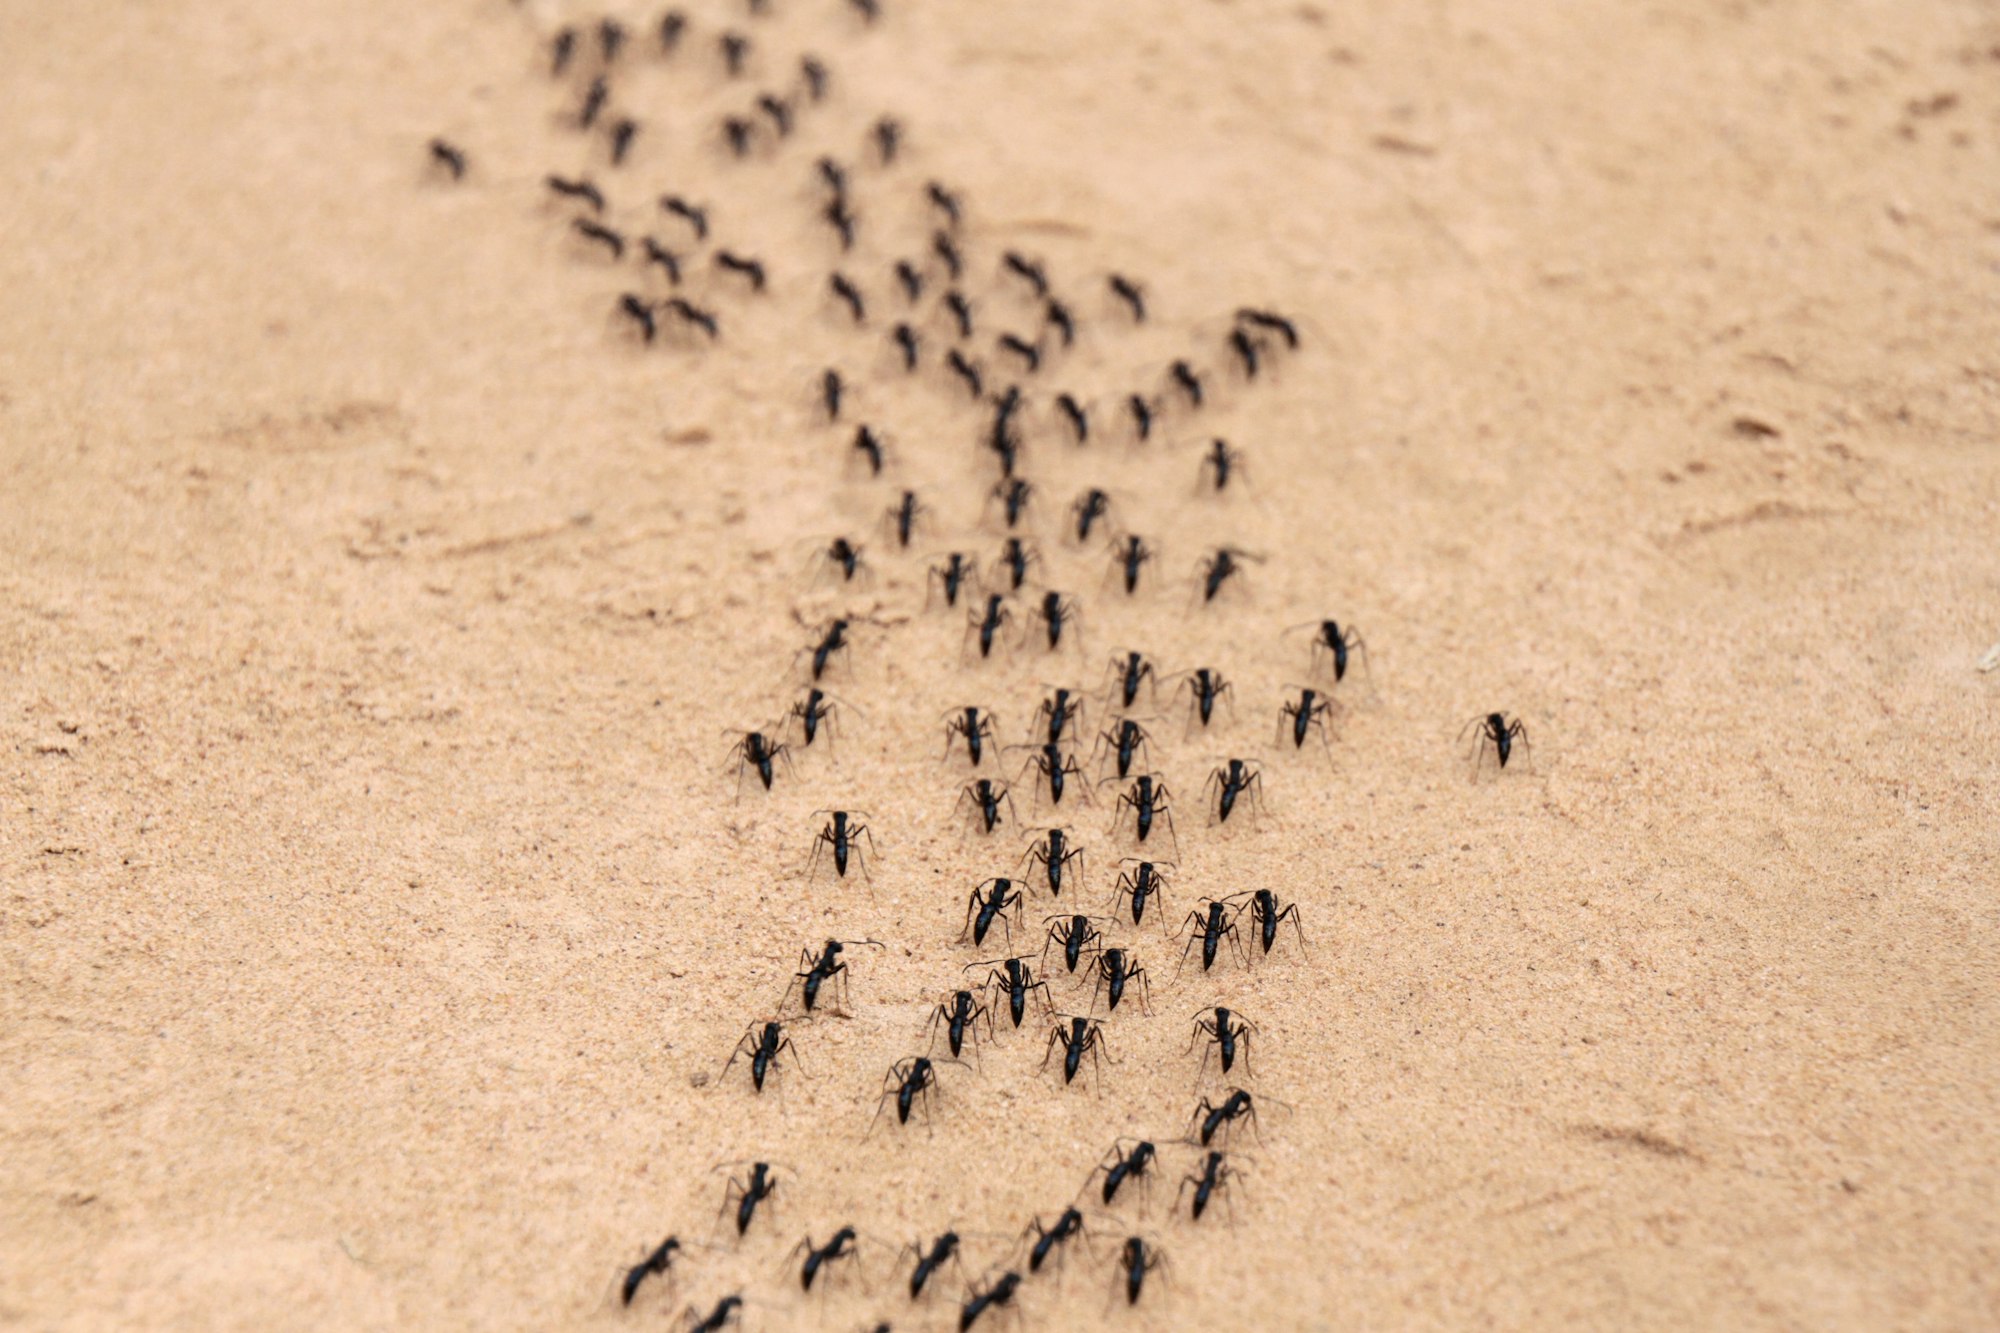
(376, 912)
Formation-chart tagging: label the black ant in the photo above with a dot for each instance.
(1132, 671)
(748, 1194)
(908, 344)
(1030, 353)
(1267, 916)
(778, 110)
(819, 1257)
(1212, 924)
(982, 909)
(1014, 495)
(667, 260)
(1187, 381)
(1054, 854)
(972, 724)
(1028, 271)
(1219, 567)
(654, 1263)
(1496, 731)
(1238, 777)
(578, 189)
(694, 215)
(735, 47)
(870, 10)
(672, 24)
(1055, 715)
(1140, 885)
(946, 250)
(594, 99)
(1079, 420)
(945, 201)
(907, 1080)
(849, 296)
(960, 308)
(603, 235)
(1129, 557)
(831, 390)
(759, 752)
(1148, 800)
(989, 621)
(1055, 612)
(835, 178)
(1205, 687)
(960, 1014)
(979, 1302)
(561, 47)
(966, 371)
(1119, 1167)
(1226, 1030)
(813, 71)
(728, 1310)
(1264, 319)
(833, 640)
(1123, 743)
(1142, 416)
(1074, 934)
(762, 1043)
(1016, 979)
(1214, 1174)
(1116, 968)
(1246, 351)
(450, 157)
(951, 576)
(869, 445)
(820, 970)
(1213, 1118)
(841, 218)
(845, 556)
(911, 281)
(1088, 510)
(610, 37)
(905, 516)
(1067, 1227)
(816, 708)
(741, 132)
(1083, 1036)
(693, 314)
(641, 313)
(840, 834)
(748, 268)
(941, 1251)
(1220, 463)
(1015, 558)
(1340, 644)
(1136, 1260)
(1130, 293)
(1058, 317)
(888, 134)
(622, 134)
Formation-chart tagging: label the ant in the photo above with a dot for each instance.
(1057, 611)
(1219, 567)
(1088, 510)
(970, 723)
(904, 516)
(594, 99)
(1067, 1227)
(945, 201)
(1131, 294)
(1187, 381)
(941, 1251)
(450, 157)
(749, 268)
(654, 1263)
(1016, 978)
(762, 1043)
(1140, 884)
(1015, 558)
(822, 969)
(1496, 731)
(1220, 462)
(831, 390)
(845, 556)
(955, 302)
(833, 640)
(1309, 712)
(1128, 558)
(1148, 800)
(840, 834)
(1225, 1031)
(966, 371)
(960, 1014)
(907, 1080)
(1266, 915)
(1142, 416)
(909, 345)
(610, 37)
(640, 313)
(823, 1256)
(603, 235)
(1123, 744)
(1054, 854)
(1211, 924)
(561, 48)
(869, 445)
(849, 295)
(1083, 1036)
(748, 1194)
(672, 25)
(982, 909)
(1079, 420)
(1237, 778)
(1205, 686)
(693, 314)
(1246, 351)
(979, 1302)
(1028, 271)
(1137, 1260)
(1119, 1167)
(911, 281)
(951, 576)
(1278, 324)
(1014, 495)
(577, 189)
(946, 250)
(758, 751)
(1339, 644)
(988, 622)
(735, 48)
(1060, 710)
(1115, 969)
(779, 111)
(842, 220)
(814, 73)
(669, 263)
(1132, 670)
(1075, 934)
(739, 131)
(622, 135)
(1058, 317)
(729, 1310)
(1214, 1174)
(1236, 1106)
(836, 179)
(888, 134)
(870, 10)
(1030, 353)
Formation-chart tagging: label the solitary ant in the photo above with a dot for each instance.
(758, 751)
(1054, 854)
(1148, 800)
(1214, 1174)
(1056, 611)
(1226, 1030)
(1217, 568)
(450, 157)
(840, 834)
(578, 189)
(1267, 915)
(652, 1264)
(1212, 1118)
(747, 1194)
(1130, 293)
(941, 1251)
(1212, 924)
(960, 1015)
(906, 1081)
(1496, 731)
(988, 622)
(762, 1042)
(1220, 463)
(1081, 1037)
(820, 1257)
(983, 908)
(1309, 712)
(821, 969)
(728, 1310)
(1116, 968)
(1016, 979)
(1120, 1166)
(603, 235)
(1074, 934)
(1123, 743)
(951, 576)
(1140, 885)
(1088, 510)
(979, 1302)
(1128, 558)
(1238, 777)
(970, 723)
(1136, 1260)
(1067, 1227)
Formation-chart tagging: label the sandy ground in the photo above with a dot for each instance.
(378, 913)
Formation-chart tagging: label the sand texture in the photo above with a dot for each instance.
(380, 898)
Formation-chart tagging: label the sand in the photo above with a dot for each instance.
(379, 905)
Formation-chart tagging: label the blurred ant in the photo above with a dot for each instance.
(1213, 1175)
(815, 76)
(1055, 714)
(1120, 1166)
(1139, 886)
(603, 235)
(577, 189)
(1015, 559)
(1055, 612)
(1079, 420)
(1238, 777)
(1217, 568)
(1308, 713)
(747, 1194)
(1498, 734)
(1142, 416)
(728, 1310)
(1129, 292)
(1246, 351)
(970, 723)
(888, 135)
(1220, 463)
(622, 134)
(946, 250)
(1014, 494)
(1058, 317)
(668, 262)
(1088, 510)
(911, 281)
(840, 835)
(763, 1043)
(988, 623)
(978, 1302)
(960, 308)
(654, 1263)
(908, 345)
(1028, 271)
(450, 157)
(561, 47)
(1206, 686)
(831, 390)
(966, 371)
(1135, 1260)
(819, 1258)
(849, 295)
(982, 909)
(820, 969)
(735, 47)
(986, 796)
(1267, 916)
(833, 639)
(1067, 1227)
(1014, 977)
(845, 556)
(1030, 353)
(1226, 1030)
(1083, 1036)
(1123, 743)
(1330, 639)
(930, 1260)
(610, 37)
(594, 99)
(907, 1081)
(740, 132)
(778, 110)
(1214, 1118)
(1186, 381)
(695, 315)
(944, 201)
(748, 268)
(672, 25)
(1132, 670)
(951, 576)
(905, 516)
(641, 313)
(1056, 768)
(695, 216)
(869, 445)
(815, 709)
(1265, 319)
(1128, 557)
